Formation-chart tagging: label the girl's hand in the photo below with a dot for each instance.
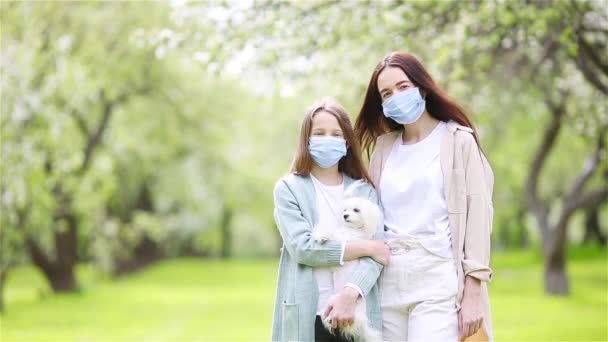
(470, 317)
(341, 308)
(379, 251)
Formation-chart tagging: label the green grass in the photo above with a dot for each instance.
(198, 300)
(521, 312)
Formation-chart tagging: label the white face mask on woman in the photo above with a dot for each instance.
(404, 107)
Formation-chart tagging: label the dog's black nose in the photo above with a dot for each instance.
(345, 216)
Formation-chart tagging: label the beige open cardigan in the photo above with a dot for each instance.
(470, 210)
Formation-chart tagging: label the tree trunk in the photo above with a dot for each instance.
(523, 238)
(592, 227)
(63, 280)
(226, 233)
(60, 270)
(3, 276)
(146, 252)
(60, 276)
(556, 279)
(554, 236)
(504, 239)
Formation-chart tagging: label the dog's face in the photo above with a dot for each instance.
(360, 213)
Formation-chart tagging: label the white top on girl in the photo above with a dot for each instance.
(330, 200)
(412, 194)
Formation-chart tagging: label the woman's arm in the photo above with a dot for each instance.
(470, 316)
(476, 260)
(375, 249)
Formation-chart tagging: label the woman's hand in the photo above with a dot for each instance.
(376, 249)
(341, 308)
(470, 317)
(379, 251)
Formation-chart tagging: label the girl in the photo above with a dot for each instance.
(435, 186)
(326, 161)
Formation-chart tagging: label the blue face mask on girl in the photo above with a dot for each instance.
(404, 107)
(326, 151)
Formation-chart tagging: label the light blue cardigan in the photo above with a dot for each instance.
(297, 291)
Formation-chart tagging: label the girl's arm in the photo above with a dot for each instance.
(297, 235)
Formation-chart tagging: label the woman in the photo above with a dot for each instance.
(326, 161)
(435, 187)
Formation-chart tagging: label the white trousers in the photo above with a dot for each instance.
(418, 295)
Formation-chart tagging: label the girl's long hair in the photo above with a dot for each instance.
(351, 164)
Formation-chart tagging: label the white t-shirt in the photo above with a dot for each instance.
(330, 200)
(413, 196)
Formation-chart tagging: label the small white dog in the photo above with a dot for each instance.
(361, 219)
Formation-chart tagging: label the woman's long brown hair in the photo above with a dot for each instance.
(371, 122)
(351, 164)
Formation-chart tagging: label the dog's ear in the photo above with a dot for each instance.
(376, 217)
(351, 190)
